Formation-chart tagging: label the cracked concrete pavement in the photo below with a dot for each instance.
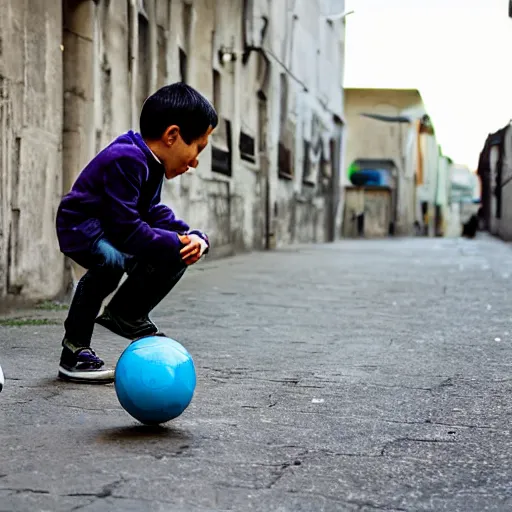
(357, 376)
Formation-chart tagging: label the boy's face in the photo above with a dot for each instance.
(178, 156)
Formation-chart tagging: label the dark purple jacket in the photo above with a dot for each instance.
(117, 196)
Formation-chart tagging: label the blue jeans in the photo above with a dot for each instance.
(148, 282)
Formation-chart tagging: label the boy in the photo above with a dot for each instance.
(112, 222)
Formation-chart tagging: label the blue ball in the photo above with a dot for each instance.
(155, 379)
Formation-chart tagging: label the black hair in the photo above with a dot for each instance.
(177, 104)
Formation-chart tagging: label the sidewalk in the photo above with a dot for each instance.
(359, 376)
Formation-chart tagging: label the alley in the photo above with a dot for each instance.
(356, 376)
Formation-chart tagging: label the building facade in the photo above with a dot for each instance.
(389, 130)
(495, 176)
(75, 73)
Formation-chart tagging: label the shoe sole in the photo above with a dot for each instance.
(98, 377)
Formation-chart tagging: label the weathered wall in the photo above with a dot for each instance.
(306, 120)
(78, 71)
(30, 147)
(231, 206)
(137, 48)
(372, 207)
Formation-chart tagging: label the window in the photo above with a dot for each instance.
(307, 167)
(144, 61)
(185, 47)
(247, 147)
(312, 156)
(183, 66)
(221, 148)
(217, 93)
(285, 166)
(221, 137)
(284, 162)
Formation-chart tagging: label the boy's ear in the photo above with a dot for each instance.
(171, 134)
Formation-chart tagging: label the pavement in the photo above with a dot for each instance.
(357, 376)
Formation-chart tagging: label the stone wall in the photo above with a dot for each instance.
(78, 71)
(30, 147)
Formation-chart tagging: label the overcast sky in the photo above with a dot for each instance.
(456, 52)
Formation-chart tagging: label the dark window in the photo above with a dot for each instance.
(217, 90)
(221, 158)
(307, 169)
(247, 147)
(284, 159)
(285, 162)
(143, 61)
(183, 66)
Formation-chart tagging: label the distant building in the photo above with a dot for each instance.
(389, 130)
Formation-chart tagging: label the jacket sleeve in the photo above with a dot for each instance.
(162, 217)
(122, 181)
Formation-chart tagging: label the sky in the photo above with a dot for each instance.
(455, 52)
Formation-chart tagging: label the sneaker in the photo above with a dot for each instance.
(1, 379)
(130, 330)
(84, 366)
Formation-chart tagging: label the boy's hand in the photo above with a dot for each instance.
(193, 250)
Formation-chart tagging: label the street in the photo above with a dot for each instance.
(357, 376)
